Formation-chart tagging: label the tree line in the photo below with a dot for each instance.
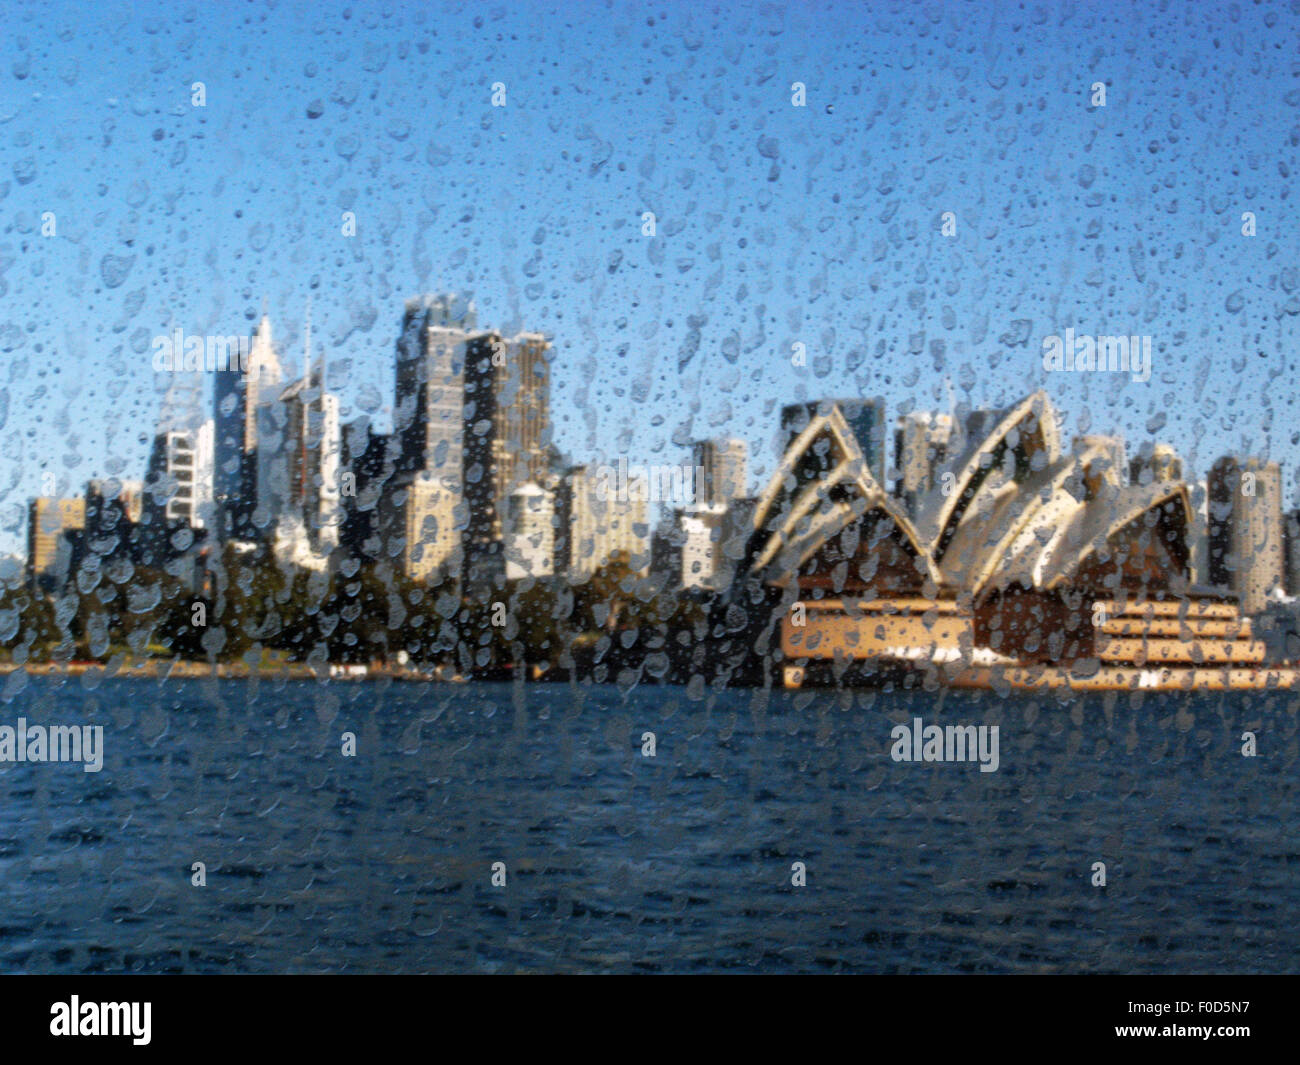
(250, 606)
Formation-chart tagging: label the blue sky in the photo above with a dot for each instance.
(775, 224)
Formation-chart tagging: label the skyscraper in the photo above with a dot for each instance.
(921, 446)
(236, 397)
(48, 551)
(530, 533)
(111, 528)
(702, 535)
(575, 529)
(590, 529)
(1291, 544)
(726, 471)
(472, 413)
(1245, 529)
(507, 436)
(370, 462)
(429, 412)
(178, 484)
(1198, 535)
(299, 456)
(432, 516)
(422, 502)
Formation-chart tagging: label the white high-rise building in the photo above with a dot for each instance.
(179, 483)
(594, 528)
(429, 517)
(298, 463)
(702, 548)
(299, 456)
(530, 533)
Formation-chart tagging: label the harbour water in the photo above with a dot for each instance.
(617, 861)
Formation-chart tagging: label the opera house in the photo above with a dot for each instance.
(1019, 566)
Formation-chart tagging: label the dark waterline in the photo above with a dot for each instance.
(615, 861)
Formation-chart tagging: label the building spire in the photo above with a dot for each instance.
(307, 367)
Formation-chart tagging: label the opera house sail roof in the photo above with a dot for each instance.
(826, 520)
(1008, 509)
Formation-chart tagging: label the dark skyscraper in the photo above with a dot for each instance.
(725, 467)
(507, 435)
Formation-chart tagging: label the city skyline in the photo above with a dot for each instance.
(201, 390)
(471, 483)
(772, 486)
(777, 225)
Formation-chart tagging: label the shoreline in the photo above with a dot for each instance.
(999, 678)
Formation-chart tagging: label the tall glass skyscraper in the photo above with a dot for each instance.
(236, 397)
(429, 415)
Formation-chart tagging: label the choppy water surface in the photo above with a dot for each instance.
(616, 861)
